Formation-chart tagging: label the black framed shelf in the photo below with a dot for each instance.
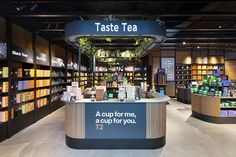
(183, 74)
(56, 104)
(22, 78)
(58, 76)
(42, 78)
(3, 130)
(41, 97)
(43, 111)
(63, 68)
(22, 90)
(57, 92)
(21, 103)
(59, 84)
(21, 68)
(22, 62)
(42, 87)
(4, 94)
(228, 107)
(22, 121)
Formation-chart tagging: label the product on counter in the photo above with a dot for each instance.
(73, 93)
(130, 90)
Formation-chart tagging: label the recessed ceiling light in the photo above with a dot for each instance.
(198, 47)
(184, 43)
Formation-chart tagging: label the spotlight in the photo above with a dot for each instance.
(184, 43)
(33, 7)
(221, 26)
(198, 47)
(19, 8)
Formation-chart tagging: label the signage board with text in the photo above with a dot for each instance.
(115, 120)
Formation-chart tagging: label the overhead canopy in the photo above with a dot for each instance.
(105, 28)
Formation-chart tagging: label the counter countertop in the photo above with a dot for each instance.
(158, 99)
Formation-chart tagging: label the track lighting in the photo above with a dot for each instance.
(33, 7)
(221, 26)
(19, 8)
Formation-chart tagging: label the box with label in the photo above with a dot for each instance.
(4, 101)
(3, 116)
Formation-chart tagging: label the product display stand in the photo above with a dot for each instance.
(208, 108)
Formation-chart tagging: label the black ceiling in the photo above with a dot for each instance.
(192, 21)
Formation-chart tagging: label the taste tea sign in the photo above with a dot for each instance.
(115, 120)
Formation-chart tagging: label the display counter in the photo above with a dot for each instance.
(208, 108)
(113, 124)
(184, 95)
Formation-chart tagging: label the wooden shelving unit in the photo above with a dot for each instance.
(201, 70)
(210, 109)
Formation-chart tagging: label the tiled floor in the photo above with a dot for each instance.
(186, 137)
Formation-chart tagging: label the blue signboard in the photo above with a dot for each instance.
(101, 28)
(115, 120)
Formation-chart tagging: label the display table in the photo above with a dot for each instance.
(116, 125)
(184, 95)
(208, 108)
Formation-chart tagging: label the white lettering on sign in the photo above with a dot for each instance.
(20, 54)
(24, 55)
(16, 53)
(40, 58)
(115, 28)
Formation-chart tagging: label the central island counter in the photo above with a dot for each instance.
(113, 124)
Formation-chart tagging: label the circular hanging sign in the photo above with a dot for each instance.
(102, 28)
